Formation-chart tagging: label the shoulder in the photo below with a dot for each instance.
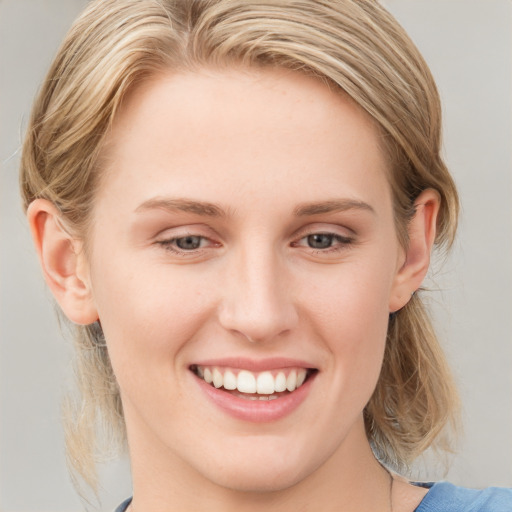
(446, 497)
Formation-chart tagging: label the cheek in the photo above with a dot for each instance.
(349, 313)
(352, 301)
(148, 313)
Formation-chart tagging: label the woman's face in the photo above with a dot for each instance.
(243, 232)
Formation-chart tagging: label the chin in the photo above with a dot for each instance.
(263, 471)
(257, 480)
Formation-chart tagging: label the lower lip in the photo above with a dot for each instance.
(257, 411)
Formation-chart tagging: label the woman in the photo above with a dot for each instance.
(235, 203)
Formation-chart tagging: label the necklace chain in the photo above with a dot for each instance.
(391, 482)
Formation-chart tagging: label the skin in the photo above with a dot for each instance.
(259, 145)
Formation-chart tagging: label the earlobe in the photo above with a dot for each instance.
(422, 233)
(62, 262)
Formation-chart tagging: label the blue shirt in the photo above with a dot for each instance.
(445, 497)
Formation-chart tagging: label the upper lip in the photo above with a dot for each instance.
(256, 365)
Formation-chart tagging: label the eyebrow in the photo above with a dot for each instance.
(183, 205)
(214, 210)
(331, 206)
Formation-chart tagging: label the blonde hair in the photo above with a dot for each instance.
(356, 46)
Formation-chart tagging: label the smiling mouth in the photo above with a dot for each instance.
(266, 385)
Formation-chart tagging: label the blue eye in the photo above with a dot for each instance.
(189, 243)
(320, 240)
(184, 244)
(324, 242)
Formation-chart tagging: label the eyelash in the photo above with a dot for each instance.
(342, 242)
(170, 245)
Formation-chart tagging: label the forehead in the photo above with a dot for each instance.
(258, 129)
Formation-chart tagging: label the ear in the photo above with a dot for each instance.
(63, 262)
(422, 233)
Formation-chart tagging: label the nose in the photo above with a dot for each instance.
(257, 297)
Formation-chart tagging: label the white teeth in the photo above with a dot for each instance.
(218, 380)
(229, 380)
(280, 383)
(208, 376)
(246, 383)
(291, 381)
(265, 384)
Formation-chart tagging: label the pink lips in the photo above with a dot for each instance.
(254, 410)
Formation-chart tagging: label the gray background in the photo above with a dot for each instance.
(468, 44)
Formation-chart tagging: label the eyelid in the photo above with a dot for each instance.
(325, 229)
(343, 240)
(183, 230)
(172, 250)
(169, 239)
(166, 239)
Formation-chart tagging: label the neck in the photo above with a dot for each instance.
(350, 480)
